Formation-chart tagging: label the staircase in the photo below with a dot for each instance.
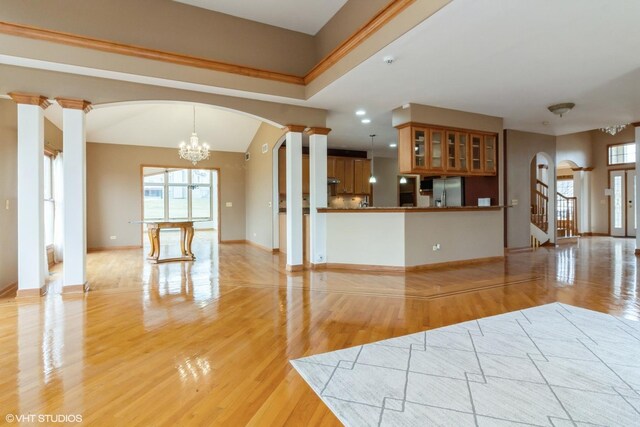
(540, 206)
(566, 216)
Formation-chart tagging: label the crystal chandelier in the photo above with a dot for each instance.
(194, 151)
(612, 130)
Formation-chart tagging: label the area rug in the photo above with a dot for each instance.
(552, 365)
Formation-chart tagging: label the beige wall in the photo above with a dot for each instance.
(600, 176)
(385, 190)
(114, 194)
(576, 148)
(9, 187)
(259, 186)
(174, 27)
(521, 148)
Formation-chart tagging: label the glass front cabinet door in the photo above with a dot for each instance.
(452, 163)
(419, 148)
(436, 161)
(475, 152)
(463, 149)
(490, 153)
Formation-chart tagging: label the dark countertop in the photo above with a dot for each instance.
(411, 209)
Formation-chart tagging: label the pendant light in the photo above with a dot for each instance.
(403, 180)
(372, 179)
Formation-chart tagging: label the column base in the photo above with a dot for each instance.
(31, 293)
(319, 266)
(75, 289)
(295, 267)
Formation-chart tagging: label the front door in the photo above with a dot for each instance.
(623, 214)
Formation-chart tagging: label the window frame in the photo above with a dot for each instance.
(51, 199)
(608, 154)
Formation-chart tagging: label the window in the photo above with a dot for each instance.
(178, 194)
(565, 186)
(620, 154)
(49, 203)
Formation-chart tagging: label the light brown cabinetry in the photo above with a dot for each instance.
(305, 174)
(428, 150)
(361, 175)
(344, 172)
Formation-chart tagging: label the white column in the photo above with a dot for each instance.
(294, 197)
(75, 194)
(31, 253)
(318, 190)
(637, 201)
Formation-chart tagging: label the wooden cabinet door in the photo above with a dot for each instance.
(450, 150)
(362, 173)
(475, 153)
(420, 148)
(339, 173)
(282, 171)
(490, 142)
(405, 150)
(348, 175)
(463, 152)
(305, 174)
(331, 167)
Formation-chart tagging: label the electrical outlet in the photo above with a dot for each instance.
(436, 247)
(113, 237)
(229, 204)
(514, 202)
(320, 258)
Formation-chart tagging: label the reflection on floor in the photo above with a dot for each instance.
(208, 342)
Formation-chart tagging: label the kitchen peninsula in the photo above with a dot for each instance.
(402, 239)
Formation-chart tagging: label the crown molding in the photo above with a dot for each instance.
(635, 124)
(318, 131)
(74, 104)
(384, 16)
(30, 99)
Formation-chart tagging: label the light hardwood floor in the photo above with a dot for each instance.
(208, 343)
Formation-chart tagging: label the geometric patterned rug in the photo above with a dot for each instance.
(553, 365)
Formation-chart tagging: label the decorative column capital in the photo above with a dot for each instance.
(74, 104)
(295, 128)
(318, 131)
(30, 99)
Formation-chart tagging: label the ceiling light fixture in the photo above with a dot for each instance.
(393, 145)
(366, 121)
(403, 180)
(361, 113)
(612, 130)
(560, 109)
(194, 151)
(372, 179)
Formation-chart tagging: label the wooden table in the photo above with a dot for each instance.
(186, 237)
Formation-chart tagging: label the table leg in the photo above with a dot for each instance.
(183, 236)
(154, 235)
(152, 247)
(189, 239)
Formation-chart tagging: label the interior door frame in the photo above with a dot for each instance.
(630, 193)
(182, 167)
(624, 170)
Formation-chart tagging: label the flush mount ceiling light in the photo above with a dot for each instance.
(612, 130)
(361, 113)
(393, 145)
(194, 151)
(366, 121)
(560, 109)
(372, 179)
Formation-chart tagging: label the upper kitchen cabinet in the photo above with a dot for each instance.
(427, 150)
(361, 175)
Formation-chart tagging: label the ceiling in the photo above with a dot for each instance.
(509, 59)
(305, 16)
(165, 125)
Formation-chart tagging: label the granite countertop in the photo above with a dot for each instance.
(410, 209)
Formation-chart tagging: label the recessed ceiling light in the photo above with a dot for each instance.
(393, 145)
(366, 121)
(360, 113)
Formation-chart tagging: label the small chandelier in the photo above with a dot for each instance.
(372, 178)
(612, 130)
(194, 151)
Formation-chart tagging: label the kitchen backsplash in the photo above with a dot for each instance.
(345, 201)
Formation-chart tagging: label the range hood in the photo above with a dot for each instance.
(332, 180)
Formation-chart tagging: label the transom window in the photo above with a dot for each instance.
(178, 194)
(621, 154)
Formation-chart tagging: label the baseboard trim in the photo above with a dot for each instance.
(319, 266)
(410, 268)
(75, 289)
(637, 252)
(233, 241)
(595, 234)
(294, 268)
(259, 246)
(114, 248)
(519, 250)
(10, 289)
(31, 293)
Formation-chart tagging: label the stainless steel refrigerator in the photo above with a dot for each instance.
(448, 191)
